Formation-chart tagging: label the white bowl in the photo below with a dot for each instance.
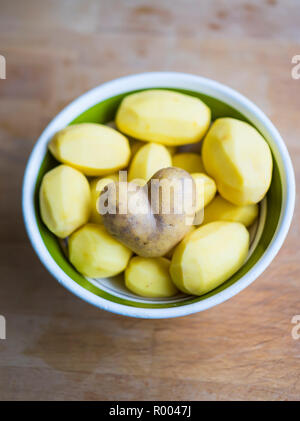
(99, 104)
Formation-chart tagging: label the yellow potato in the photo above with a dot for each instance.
(163, 116)
(222, 210)
(94, 149)
(209, 256)
(149, 277)
(148, 160)
(65, 200)
(239, 159)
(135, 146)
(97, 185)
(188, 161)
(205, 189)
(96, 254)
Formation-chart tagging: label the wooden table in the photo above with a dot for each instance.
(60, 348)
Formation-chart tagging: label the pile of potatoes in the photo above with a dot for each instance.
(231, 169)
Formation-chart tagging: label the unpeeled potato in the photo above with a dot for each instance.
(96, 254)
(94, 149)
(222, 210)
(163, 116)
(209, 256)
(188, 161)
(65, 200)
(150, 221)
(149, 277)
(239, 159)
(148, 160)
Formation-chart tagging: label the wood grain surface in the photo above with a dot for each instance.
(61, 348)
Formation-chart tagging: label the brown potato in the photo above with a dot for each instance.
(151, 224)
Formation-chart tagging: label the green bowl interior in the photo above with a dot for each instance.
(104, 112)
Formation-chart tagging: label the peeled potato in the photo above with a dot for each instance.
(97, 185)
(222, 210)
(136, 145)
(148, 160)
(239, 159)
(205, 189)
(209, 256)
(149, 277)
(163, 116)
(92, 148)
(188, 161)
(96, 254)
(65, 200)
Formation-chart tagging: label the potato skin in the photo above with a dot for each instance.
(93, 149)
(239, 159)
(149, 234)
(149, 277)
(65, 200)
(163, 116)
(209, 256)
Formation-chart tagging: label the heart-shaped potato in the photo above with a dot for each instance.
(153, 218)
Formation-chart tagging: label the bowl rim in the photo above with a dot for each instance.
(144, 81)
